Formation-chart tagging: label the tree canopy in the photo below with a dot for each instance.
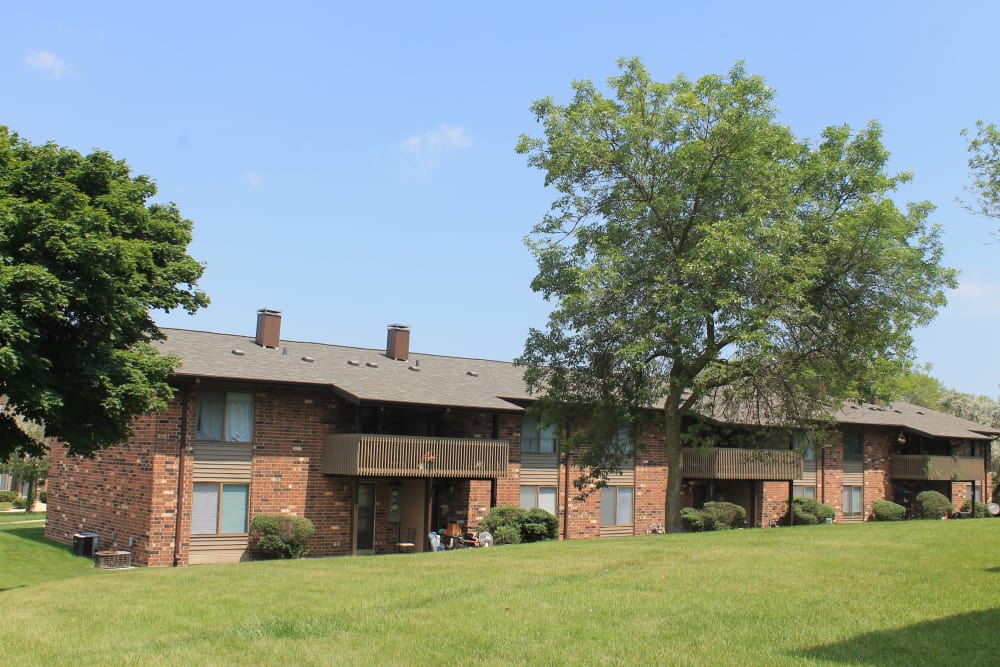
(984, 163)
(700, 257)
(85, 257)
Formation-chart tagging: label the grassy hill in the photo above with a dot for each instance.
(881, 594)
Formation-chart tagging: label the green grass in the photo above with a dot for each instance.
(27, 558)
(880, 594)
(21, 517)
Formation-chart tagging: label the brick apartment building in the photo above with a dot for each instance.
(379, 446)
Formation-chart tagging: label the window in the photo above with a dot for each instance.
(219, 509)
(536, 440)
(539, 496)
(616, 505)
(804, 491)
(224, 416)
(805, 442)
(852, 446)
(852, 501)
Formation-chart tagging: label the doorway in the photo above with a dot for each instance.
(364, 532)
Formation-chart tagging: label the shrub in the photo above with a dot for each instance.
(529, 525)
(280, 536)
(713, 516)
(693, 519)
(540, 525)
(20, 503)
(978, 512)
(8, 496)
(932, 505)
(808, 512)
(42, 497)
(886, 510)
(506, 534)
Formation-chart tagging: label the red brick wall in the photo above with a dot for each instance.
(877, 450)
(773, 503)
(651, 483)
(127, 490)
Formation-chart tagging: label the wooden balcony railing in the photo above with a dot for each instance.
(936, 468)
(413, 456)
(729, 463)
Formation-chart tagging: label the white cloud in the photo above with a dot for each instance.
(254, 179)
(47, 62)
(973, 295)
(424, 151)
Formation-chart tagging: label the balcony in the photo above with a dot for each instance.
(729, 463)
(370, 455)
(936, 468)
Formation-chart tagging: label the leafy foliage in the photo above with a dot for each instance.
(27, 468)
(984, 163)
(713, 516)
(886, 510)
(701, 258)
(513, 525)
(978, 509)
(84, 260)
(931, 505)
(280, 536)
(808, 511)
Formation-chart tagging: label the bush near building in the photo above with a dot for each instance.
(713, 516)
(275, 536)
(513, 525)
(932, 505)
(808, 512)
(886, 510)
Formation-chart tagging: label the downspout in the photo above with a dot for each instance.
(181, 463)
(566, 501)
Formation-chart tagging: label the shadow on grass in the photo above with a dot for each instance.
(963, 638)
(33, 533)
(994, 570)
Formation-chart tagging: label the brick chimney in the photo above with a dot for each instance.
(397, 345)
(268, 327)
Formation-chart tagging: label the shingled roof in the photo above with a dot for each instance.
(914, 418)
(358, 374)
(368, 375)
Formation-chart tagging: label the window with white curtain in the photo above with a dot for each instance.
(225, 416)
(543, 497)
(219, 509)
(852, 501)
(616, 505)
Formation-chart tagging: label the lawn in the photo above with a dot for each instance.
(880, 594)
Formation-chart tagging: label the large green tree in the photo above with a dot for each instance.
(700, 257)
(84, 257)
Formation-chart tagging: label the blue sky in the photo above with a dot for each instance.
(354, 166)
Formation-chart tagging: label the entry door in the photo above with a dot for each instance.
(364, 538)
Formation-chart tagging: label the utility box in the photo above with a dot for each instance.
(85, 544)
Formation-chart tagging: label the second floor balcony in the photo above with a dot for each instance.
(732, 463)
(370, 455)
(937, 468)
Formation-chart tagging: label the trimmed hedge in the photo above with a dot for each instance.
(513, 525)
(886, 510)
(713, 516)
(932, 505)
(275, 536)
(8, 496)
(808, 512)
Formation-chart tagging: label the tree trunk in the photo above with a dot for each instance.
(675, 471)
